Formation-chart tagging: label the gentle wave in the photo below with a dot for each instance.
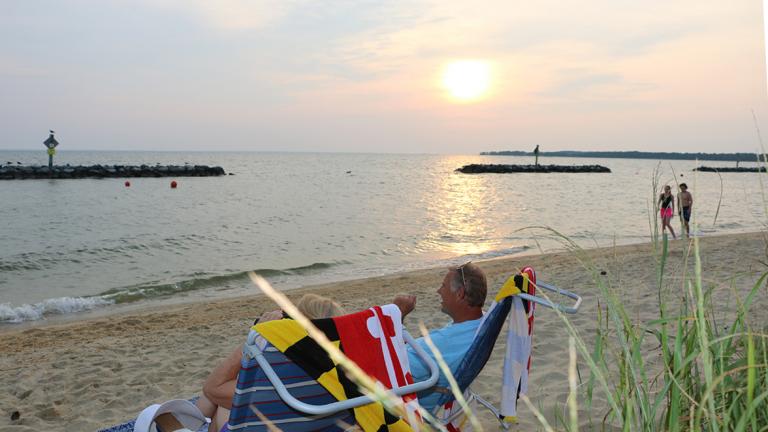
(124, 248)
(57, 306)
(503, 252)
(154, 290)
(65, 305)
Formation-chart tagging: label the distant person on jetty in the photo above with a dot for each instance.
(219, 387)
(462, 295)
(667, 210)
(685, 204)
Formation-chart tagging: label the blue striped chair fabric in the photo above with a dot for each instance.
(255, 392)
(480, 350)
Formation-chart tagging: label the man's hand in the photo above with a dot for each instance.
(405, 302)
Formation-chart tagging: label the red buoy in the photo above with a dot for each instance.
(174, 184)
(127, 184)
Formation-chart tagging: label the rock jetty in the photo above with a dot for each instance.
(729, 169)
(504, 169)
(17, 172)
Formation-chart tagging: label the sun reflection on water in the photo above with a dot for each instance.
(459, 208)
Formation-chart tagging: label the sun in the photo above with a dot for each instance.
(467, 80)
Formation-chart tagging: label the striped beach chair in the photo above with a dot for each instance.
(515, 302)
(273, 391)
(308, 407)
(255, 395)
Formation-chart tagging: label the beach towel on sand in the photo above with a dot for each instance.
(371, 338)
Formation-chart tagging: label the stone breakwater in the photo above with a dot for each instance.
(504, 169)
(729, 169)
(15, 172)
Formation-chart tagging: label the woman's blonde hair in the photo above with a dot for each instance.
(315, 307)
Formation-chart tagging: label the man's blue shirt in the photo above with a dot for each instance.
(453, 341)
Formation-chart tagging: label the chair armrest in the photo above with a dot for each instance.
(544, 302)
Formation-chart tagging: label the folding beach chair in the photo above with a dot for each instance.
(295, 412)
(517, 300)
(271, 388)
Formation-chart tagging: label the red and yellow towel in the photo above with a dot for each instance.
(371, 338)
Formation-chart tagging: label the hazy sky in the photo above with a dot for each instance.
(365, 76)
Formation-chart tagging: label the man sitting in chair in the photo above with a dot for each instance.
(462, 295)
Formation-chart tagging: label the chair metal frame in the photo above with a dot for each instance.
(252, 351)
(547, 303)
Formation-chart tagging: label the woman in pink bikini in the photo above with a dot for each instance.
(667, 209)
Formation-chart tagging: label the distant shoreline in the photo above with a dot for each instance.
(733, 157)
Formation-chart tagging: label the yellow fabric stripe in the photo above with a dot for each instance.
(400, 426)
(370, 417)
(281, 333)
(509, 288)
(509, 419)
(330, 380)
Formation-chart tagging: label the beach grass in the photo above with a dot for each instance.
(685, 369)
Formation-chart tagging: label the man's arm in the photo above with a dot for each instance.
(405, 302)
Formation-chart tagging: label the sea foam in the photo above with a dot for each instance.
(56, 306)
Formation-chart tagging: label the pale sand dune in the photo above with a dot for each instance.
(94, 373)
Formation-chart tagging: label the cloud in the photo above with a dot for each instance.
(13, 68)
(574, 82)
(231, 15)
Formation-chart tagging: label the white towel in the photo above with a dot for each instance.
(517, 360)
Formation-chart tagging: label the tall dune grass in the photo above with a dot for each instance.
(706, 376)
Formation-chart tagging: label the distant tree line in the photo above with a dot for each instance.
(740, 157)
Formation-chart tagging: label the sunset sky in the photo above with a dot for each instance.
(438, 76)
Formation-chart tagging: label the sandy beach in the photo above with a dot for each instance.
(98, 372)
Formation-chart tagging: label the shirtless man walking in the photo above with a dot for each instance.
(685, 204)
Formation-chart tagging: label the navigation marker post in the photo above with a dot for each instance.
(51, 143)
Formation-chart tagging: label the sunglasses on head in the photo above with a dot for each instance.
(461, 270)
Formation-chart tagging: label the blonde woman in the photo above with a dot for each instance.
(316, 307)
(220, 385)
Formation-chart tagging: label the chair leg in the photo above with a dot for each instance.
(493, 409)
(459, 413)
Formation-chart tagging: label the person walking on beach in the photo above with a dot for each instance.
(685, 204)
(667, 209)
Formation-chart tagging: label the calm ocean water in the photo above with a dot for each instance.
(299, 219)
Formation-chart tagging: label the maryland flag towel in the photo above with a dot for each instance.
(517, 359)
(371, 338)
